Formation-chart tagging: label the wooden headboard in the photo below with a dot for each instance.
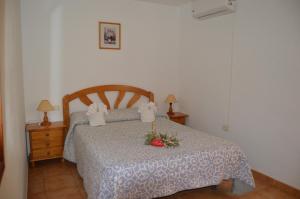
(82, 95)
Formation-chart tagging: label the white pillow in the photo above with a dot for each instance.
(96, 119)
(147, 111)
(96, 114)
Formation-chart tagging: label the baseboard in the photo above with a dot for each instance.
(279, 185)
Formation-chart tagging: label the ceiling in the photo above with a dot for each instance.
(168, 2)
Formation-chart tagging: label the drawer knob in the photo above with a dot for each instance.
(48, 153)
(47, 134)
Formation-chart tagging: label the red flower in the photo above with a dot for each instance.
(157, 142)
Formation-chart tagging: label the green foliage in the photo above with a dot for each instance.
(169, 141)
(149, 138)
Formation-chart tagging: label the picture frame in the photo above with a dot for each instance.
(109, 35)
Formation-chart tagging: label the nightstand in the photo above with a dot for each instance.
(178, 117)
(46, 142)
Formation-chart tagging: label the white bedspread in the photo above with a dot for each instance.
(115, 164)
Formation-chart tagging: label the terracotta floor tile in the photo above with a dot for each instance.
(55, 170)
(36, 186)
(83, 193)
(35, 178)
(205, 193)
(260, 185)
(274, 193)
(78, 179)
(53, 183)
(73, 170)
(68, 193)
(252, 195)
(37, 196)
(35, 171)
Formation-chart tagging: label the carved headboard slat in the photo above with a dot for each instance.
(82, 95)
(103, 98)
(119, 99)
(133, 100)
(84, 99)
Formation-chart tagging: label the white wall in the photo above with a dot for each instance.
(14, 182)
(265, 101)
(61, 55)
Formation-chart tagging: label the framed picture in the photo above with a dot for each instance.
(109, 35)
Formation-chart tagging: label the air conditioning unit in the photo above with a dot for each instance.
(203, 9)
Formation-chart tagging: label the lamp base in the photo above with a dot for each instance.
(45, 120)
(170, 112)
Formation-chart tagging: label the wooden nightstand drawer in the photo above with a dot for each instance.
(41, 154)
(47, 135)
(178, 117)
(46, 142)
(179, 120)
(47, 139)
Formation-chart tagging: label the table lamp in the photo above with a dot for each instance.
(45, 107)
(170, 100)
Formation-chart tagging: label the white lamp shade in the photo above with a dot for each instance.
(170, 99)
(45, 106)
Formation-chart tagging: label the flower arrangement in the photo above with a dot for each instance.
(161, 140)
(148, 112)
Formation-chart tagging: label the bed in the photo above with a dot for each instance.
(115, 163)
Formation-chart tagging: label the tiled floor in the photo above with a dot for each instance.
(55, 180)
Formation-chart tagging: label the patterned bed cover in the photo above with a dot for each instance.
(115, 164)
